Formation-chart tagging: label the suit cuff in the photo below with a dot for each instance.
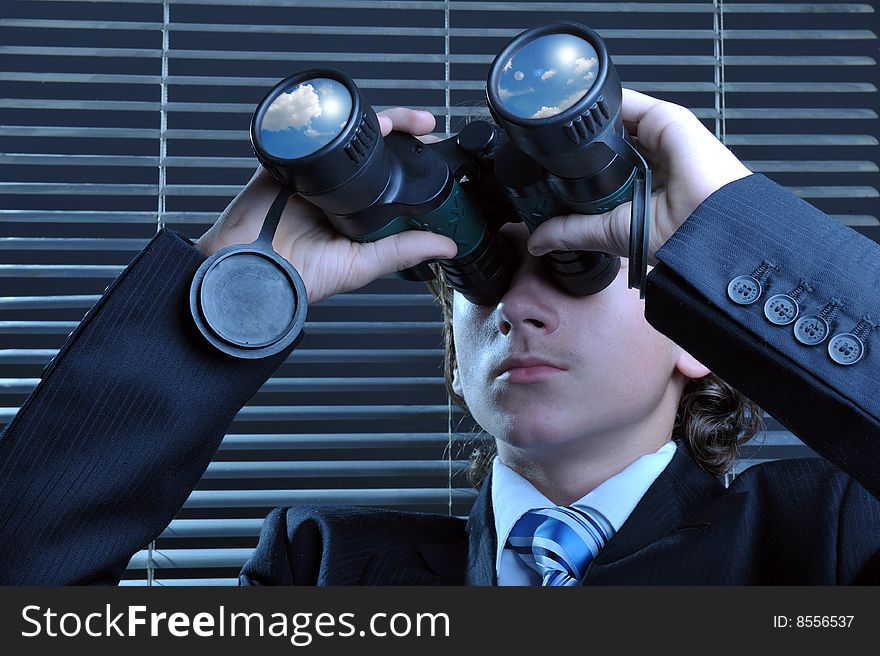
(832, 407)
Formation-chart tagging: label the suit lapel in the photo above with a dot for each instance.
(481, 539)
(673, 503)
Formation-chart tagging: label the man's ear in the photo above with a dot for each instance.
(689, 366)
(456, 382)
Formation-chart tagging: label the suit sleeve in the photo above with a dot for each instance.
(833, 408)
(121, 427)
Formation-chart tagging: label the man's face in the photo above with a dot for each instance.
(588, 366)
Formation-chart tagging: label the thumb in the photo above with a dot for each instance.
(608, 233)
(408, 248)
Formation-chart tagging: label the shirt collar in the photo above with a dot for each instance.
(513, 495)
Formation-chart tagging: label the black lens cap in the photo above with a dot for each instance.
(248, 301)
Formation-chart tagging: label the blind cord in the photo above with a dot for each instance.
(151, 569)
(449, 446)
(163, 115)
(447, 128)
(160, 215)
(720, 98)
(447, 122)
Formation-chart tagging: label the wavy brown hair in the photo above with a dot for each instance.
(713, 418)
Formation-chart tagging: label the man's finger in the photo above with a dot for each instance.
(578, 232)
(665, 130)
(404, 250)
(404, 119)
(385, 124)
(635, 105)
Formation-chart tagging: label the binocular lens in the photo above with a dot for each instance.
(305, 118)
(546, 76)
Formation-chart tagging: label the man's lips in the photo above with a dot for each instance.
(527, 369)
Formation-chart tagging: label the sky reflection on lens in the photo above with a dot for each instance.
(547, 76)
(305, 118)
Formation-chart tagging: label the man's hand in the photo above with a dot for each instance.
(687, 165)
(329, 262)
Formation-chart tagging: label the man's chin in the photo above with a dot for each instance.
(532, 433)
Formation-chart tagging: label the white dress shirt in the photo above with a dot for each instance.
(513, 496)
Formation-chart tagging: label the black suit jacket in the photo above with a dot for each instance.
(128, 415)
(796, 521)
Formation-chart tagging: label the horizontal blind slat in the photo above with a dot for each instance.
(332, 412)
(801, 140)
(812, 166)
(395, 497)
(462, 5)
(804, 166)
(60, 270)
(424, 58)
(56, 132)
(301, 356)
(93, 105)
(311, 327)
(340, 300)
(212, 528)
(293, 413)
(180, 558)
(229, 191)
(108, 216)
(179, 582)
(791, 112)
(220, 470)
(75, 270)
(280, 385)
(743, 139)
(293, 441)
(207, 218)
(854, 191)
(824, 114)
(160, 582)
(428, 84)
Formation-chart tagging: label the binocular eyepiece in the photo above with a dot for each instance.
(557, 146)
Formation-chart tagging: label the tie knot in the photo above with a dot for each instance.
(559, 543)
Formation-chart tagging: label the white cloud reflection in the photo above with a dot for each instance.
(293, 110)
(584, 64)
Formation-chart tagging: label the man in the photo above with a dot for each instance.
(580, 394)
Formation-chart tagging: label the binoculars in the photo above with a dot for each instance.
(557, 145)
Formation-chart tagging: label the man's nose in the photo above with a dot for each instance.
(530, 304)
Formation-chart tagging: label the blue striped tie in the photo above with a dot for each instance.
(560, 542)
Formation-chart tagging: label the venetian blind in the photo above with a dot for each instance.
(120, 117)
